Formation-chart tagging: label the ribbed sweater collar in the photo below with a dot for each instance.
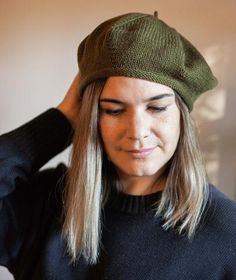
(132, 204)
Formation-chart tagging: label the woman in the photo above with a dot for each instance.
(134, 202)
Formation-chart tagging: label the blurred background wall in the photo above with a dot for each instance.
(38, 43)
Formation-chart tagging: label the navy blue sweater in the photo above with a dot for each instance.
(135, 246)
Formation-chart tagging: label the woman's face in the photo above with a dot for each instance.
(139, 124)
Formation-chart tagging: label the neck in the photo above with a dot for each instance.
(142, 185)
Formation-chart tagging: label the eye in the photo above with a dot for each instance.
(156, 109)
(114, 112)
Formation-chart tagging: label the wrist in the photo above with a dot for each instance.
(68, 113)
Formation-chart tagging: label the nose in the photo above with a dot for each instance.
(138, 126)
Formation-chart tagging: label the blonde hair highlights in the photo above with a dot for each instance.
(185, 194)
(82, 223)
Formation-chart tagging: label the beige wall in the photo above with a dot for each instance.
(38, 60)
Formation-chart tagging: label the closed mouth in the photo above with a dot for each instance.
(140, 153)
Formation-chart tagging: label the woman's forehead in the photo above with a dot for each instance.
(127, 87)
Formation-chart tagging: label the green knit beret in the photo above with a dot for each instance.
(143, 46)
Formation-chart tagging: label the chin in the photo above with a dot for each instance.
(139, 172)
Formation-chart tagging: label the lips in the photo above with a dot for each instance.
(141, 153)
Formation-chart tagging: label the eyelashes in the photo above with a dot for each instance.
(117, 112)
(157, 109)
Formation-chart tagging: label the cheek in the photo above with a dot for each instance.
(174, 132)
(174, 127)
(108, 131)
(170, 131)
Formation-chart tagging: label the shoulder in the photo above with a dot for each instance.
(50, 176)
(221, 203)
(49, 184)
(220, 213)
(40, 195)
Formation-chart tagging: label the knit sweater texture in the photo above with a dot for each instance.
(135, 246)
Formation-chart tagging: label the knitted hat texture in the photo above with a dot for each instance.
(143, 46)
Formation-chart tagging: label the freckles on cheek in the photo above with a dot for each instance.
(112, 137)
(170, 129)
(175, 130)
(107, 131)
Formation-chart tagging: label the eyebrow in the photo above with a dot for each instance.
(156, 97)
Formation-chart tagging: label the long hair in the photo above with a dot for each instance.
(83, 193)
(186, 193)
(88, 184)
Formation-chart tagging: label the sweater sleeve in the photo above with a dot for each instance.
(26, 149)
(25, 191)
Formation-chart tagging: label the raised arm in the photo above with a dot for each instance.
(26, 149)
(24, 190)
(70, 104)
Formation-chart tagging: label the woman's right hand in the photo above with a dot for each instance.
(70, 103)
